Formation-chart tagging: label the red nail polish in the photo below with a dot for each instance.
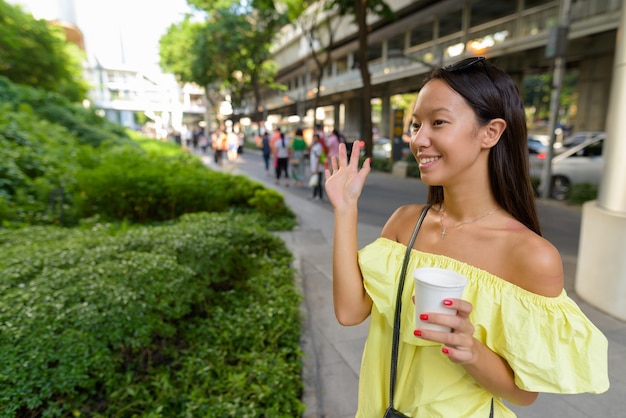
(424, 317)
(447, 302)
(417, 333)
(444, 350)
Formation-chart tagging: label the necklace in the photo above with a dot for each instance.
(444, 228)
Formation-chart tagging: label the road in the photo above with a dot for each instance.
(383, 193)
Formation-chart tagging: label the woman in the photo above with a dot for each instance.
(516, 332)
(317, 166)
(266, 149)
(282, 152)
(297, 159)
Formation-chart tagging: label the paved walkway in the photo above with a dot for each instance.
(333, 352)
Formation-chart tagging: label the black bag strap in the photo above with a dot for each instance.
(396, 320)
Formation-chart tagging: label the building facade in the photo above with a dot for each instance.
(516, 35)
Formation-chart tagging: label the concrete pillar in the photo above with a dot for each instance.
(385, 117)
(594, 87)
(353, 127)
(601, 270)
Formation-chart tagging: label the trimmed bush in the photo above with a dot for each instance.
(196, 318)
(582, 192)
(131, 184)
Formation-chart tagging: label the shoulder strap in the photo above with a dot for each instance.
(396, 320)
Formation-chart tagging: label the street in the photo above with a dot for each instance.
(383, 193)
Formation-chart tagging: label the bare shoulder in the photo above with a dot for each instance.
(400, 224)
(535, 264)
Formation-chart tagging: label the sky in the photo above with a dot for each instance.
(116, 31)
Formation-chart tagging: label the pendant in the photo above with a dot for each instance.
(443, 232)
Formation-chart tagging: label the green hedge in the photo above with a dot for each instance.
(83, 124)
(138, 186)
(196, 318)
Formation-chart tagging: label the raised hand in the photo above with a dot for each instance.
(344, 180)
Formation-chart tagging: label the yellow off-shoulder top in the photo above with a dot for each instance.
(548, 342)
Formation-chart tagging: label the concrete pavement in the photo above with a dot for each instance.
(333, 352)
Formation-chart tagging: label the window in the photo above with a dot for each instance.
(422, 34)
(450, 23)
(484, 11)
(342, 65)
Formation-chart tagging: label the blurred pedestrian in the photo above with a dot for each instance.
(317, 167)
(332, 144)
(297, 158)
(282, 153)
(266, 150)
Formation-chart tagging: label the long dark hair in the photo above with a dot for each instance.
(491, 93)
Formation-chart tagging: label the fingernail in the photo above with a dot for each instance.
(417, 333)
(424, 317)
(447, 302)
(444, 350)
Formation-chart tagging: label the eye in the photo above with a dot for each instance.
(415, 127)
(438, 122)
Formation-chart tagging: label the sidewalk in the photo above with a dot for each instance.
(333, 352)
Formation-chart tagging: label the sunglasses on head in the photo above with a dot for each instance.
(464, 64)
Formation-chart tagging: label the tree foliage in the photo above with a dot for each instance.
(359, 9)
(228, 52)
(36, 53)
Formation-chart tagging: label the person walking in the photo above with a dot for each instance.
(332, 144)
(317, 167)
(282, 153)
(266, 149)
(298, 146)
(516, 332)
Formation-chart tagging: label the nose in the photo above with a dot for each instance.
(419, 138)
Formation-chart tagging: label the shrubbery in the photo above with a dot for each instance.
(197, 318)
(144, 304)
(582, 192)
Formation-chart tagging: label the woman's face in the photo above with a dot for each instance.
(444, 135)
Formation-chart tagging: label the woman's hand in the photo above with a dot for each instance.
(489, 369)
(459, 345)
(344, 181)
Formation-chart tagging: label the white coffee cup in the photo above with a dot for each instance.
(432, 286)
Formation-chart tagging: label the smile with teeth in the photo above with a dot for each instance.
(426, 160)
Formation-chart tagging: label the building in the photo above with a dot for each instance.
(155, 103)
(517, 35)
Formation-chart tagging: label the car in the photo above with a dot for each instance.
(580, 163)
(382, 148)
(538, 144)
(580, 137)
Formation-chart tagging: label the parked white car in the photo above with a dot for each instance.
(581, 163)
(580, 137)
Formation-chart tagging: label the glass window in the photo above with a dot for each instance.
(422, 34)
(450, 23)
(592, 150)
(375, 51)
(484, 11)
(342, 65)
(533, 3)
(395, 45)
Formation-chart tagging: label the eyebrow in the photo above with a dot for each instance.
(438, 109)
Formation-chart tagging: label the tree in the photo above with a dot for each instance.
(306, 15)
(230, 52)
(36, 53)
(359, 9)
